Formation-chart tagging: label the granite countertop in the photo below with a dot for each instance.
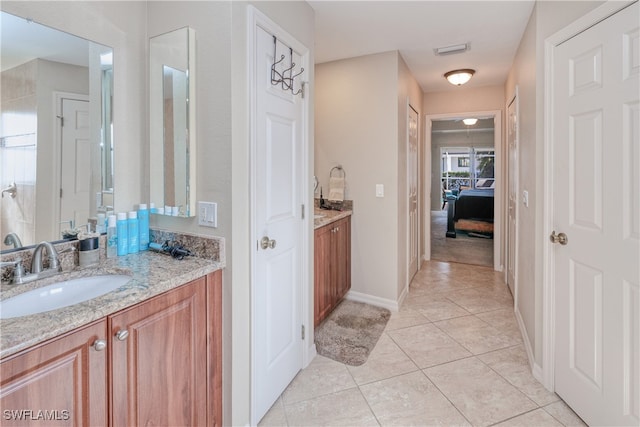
(151, 274)
(328, 217)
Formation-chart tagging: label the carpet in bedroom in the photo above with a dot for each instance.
(463, 249)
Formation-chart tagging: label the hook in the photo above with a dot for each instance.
(281, 78)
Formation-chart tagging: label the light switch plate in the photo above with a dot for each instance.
(379, 190)
(208, 214)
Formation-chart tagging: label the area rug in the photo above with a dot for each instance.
(351, 331)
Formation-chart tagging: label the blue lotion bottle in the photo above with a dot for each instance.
(112, 237)
(143, 227)
(122, 231)
(133, 228)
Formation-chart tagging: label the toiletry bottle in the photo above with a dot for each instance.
(112, 237)
(100, 223)
(132, 224)
(152, 208)
(122, 230)
(143, 227)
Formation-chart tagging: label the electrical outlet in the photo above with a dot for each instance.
(208, 214)
(525, 198)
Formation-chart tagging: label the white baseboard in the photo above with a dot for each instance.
(525, 339)
(536, 370)
(377, 301)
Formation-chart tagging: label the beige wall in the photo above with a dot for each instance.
(361, 123)
(527, 73)
(464, 99)
(357, 126)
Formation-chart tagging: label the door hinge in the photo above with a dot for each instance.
(61, 193)
(302, 210)
(302, 332)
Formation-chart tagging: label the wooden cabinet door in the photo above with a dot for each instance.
(322, 273)
(159, 372)
(59, 383)
(342, 263)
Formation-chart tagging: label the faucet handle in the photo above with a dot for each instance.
(18, 270)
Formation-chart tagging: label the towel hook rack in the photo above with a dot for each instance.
(281, 78)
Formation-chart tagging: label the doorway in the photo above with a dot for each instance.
(465, 158)
(280, 230)
(591, 337)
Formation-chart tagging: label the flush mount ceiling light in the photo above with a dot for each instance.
(459, 77)
(469, 122)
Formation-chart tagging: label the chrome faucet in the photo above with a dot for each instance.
(12, 239)
(36, 262)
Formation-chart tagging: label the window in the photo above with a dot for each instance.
(468, 166)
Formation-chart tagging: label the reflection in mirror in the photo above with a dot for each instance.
(174, 88)
(172, 119)
(56, 145)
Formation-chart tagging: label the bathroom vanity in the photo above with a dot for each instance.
(148, 353)
(332, 264)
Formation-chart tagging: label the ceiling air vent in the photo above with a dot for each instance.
(450, 50)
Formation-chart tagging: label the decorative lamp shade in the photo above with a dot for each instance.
(459, 77)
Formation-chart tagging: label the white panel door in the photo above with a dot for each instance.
(412, 184)
(512, 149)
(596, 202)
(75, 177)
(277, 323)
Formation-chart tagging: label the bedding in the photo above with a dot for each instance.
(474, 204)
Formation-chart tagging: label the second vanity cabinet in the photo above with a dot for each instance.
(332, 266)
(164, 357)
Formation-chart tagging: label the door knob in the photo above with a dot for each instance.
(122, 334)
(99, 345)
(267, 243)
(558, 238)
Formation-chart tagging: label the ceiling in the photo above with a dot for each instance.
(346, 29)
(22, 40)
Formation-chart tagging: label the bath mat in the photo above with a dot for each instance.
(351, 331)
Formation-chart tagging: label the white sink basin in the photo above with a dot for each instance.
(60, 294)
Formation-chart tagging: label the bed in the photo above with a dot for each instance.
(472, 207)
(474, 204)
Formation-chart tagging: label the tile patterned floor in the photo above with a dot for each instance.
(453, 356)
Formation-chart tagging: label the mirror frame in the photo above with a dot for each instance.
(157, 171)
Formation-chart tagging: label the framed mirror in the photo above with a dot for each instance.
(56, 145)
(172, 144)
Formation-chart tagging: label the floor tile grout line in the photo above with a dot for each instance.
(555, 418)
(446, 397)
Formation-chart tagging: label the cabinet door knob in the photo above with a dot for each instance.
(122, 334)
(99, 345)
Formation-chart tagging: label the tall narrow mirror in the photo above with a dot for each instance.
(56, 145)
(172, 121)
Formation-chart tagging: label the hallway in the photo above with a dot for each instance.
(453, 355)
